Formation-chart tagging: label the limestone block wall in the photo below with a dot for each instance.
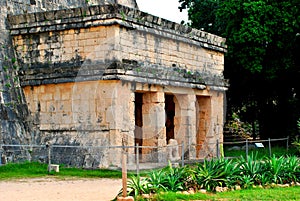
(94, 113)
(154, 47)
(15, 122)
(90, 106)
(108, 44)
(73, 45)
(111, 35)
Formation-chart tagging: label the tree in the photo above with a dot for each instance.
(263, 45)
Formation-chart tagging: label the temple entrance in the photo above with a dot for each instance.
(150, 125)
(170, 113)
(138, 113)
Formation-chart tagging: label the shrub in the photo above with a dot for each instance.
(215, 173)
(292, 170)
(166, 179)
(178, 178)
(170, 179)
(137, 186)
(251, 170)
(275, 168)
(156, 181)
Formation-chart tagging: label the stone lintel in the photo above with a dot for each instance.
(128, 71)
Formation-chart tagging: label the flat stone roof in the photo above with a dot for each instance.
(131, 18)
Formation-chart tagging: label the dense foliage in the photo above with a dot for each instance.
(211, 174)
(262, 62)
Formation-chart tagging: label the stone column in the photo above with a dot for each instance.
(186, 113)
(120, 117)
(203, 107)
(154, 133)
(217, 121)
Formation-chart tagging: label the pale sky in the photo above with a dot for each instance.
(167, 9)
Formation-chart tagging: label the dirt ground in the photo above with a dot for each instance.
(49, 189)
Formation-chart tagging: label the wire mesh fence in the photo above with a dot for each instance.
(143, 157)
(138, 157)
(263, 146)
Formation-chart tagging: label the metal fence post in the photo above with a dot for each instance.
(124, 174)
(137, 159)
(247, 149)
(218, 151)
(0, 155)
(287, 144)
(48, 146)
(270, 149)
(182, 154)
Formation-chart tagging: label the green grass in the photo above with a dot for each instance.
(261, 152)
(282, 194)
(23, 170)
(35, 169)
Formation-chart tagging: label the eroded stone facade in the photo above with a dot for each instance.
(110, 75)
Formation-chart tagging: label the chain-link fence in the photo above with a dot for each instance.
(138, 157)
(265, 147)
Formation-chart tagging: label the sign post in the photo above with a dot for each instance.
(124, 180)
(124, 175)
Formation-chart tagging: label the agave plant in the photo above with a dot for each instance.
(263, 179)
(246, 181)
(173, 184)
(211, 174)
(232, 173)
(276, 168)
(156, 181)
(251, 167)
(137, 186)
(177, 178)
(292, 169)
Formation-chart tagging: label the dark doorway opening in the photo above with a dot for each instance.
(170, 113)
(138, 113)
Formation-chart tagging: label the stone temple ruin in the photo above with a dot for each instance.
(103, 73)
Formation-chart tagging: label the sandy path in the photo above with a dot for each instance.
(49, 189)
